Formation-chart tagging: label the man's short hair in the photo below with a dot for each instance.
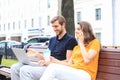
(60, 19)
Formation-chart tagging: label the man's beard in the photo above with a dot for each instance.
(60, 33)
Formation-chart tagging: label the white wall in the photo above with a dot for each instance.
(105, 25)
(117, 22)
(21, 10)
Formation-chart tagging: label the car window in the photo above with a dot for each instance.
(2, 44)
(44, 39)
(10, 43)
(34, 40)
(38, 40)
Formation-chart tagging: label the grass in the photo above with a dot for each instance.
(8, 62)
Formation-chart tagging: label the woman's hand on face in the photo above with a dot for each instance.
(80, 37)
(79, 34)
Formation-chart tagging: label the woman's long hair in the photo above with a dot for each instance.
(87, 32)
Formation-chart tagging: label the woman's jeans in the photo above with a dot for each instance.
(62, 72)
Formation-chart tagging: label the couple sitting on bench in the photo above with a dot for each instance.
(81, 63)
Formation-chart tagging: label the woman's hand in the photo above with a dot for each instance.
(79, 34)
(80, 38)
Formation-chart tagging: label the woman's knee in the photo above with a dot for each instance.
(53, 65)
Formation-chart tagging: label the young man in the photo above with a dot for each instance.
(61, 47)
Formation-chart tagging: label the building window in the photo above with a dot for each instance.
(0, 17)
(98, 35)
(0, 27)
(78, 16)
(39, 22)
(48, 20)
(8, 26)
(48, 3)
(13, 25)
(25, 24)
(19, 24)
(32, 22)
(98, 14)
(4, 27)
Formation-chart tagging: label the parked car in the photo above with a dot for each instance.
(5, 48)
(37, 41)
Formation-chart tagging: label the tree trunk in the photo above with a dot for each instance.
(68, 13)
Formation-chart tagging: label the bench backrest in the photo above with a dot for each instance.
(109, 64)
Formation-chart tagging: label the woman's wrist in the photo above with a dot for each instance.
(81, 44)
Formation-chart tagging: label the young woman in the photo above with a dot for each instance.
(84, 61)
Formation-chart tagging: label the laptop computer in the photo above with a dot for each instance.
(23, 58)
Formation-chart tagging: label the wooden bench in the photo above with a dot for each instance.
(108, 67)
(109, 64)
(5, 73)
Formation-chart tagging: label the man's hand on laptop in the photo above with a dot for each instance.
(34, 53)
(31, 52)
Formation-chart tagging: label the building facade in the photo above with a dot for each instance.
(104, 15)
(21, 19)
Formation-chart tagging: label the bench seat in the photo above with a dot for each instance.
(109, 64)
(5, 73)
